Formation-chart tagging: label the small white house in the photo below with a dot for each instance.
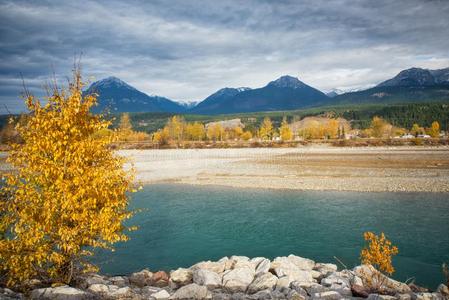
(407, 136)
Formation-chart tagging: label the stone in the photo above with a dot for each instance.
(427, 296)
(284, 282)
(141, 278)
(7, 294)
(98, 288)
(369, 274)
(403, 296)
(359, 291)
(191, 291)
(244, 264)
(443, 289)
(256, 261)
(262, 282)
(181, 277)
(122, 292)
(89, 279)
(417, 289)
(119, 281)
(301, 262)
(312, 288)
(60, 293)
(263, 266)
(240, 258)
(161, 295)
(285, 266)
(325, 269)
(217, 267)
(209, 279)
(294, 295)
(339, 282)
(261, 295)
(380, 297)
(149, 290)
(237, 280)
(160, 279)
(330, 295)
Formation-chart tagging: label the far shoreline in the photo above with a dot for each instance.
(316, 168)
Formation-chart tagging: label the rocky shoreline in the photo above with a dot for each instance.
(239, 277)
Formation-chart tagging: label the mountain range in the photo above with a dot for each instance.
(284, 93)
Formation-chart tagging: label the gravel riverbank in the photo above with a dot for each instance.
(374, 169)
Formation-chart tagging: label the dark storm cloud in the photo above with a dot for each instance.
(187, 49)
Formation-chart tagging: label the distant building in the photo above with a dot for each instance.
(407, 136)
(424, 136)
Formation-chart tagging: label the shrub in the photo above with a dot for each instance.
(67, 194)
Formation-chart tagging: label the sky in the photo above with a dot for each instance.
(186, 50)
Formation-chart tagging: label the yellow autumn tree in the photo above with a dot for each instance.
(246, 135)
(195, 131)
(435, 130)
(379, 127)
(67, 194)
(285, 131)
(176, 128)
(215, 132)
(125, 124)
(266, 129)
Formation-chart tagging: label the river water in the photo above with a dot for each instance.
(181, 225)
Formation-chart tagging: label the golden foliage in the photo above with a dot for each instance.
(379, 127)
(67, 194)
(378, 252)
(195, 131)
(215, 132)
(266, 129)
(246, 136)
(126, 132)
(285, 131)
(435, 130)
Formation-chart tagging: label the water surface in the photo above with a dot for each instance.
(182, 225)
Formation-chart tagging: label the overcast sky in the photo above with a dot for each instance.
(186, 50)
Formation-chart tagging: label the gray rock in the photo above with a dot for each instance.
(427, 296)
(238, 280)
(443, 289)
(294, 295)
(403, 296)
(301, 262)
(60, 293)
(149, 290)
(330, 295)
(181, 277)
(214, 266)
(293, 266)
(89, 279)
(262, 282)
(380, 297)
(339, 282)
(121, 293)
(98, 288)
(284, 282)
(192, 291)
(209, 279)
(369, 274)
(120, 281)
(161, 295)
(263, 266)
(141, 278)
(262, 295)
(7, 294)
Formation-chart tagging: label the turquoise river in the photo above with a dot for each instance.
(180, 225)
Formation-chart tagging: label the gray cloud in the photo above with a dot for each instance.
(186, 50)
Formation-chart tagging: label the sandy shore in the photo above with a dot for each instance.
(414, 169)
